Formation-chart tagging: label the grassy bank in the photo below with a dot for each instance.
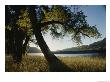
(39, 64)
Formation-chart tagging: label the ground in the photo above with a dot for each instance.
(39, 64)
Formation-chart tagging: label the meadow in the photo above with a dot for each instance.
(40, 64)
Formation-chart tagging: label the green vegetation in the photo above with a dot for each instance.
(39, 64)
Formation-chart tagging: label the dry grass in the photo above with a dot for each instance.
(39, 64)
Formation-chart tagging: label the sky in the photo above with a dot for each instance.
(96, 15)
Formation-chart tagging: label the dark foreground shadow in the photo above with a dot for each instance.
(56, 65)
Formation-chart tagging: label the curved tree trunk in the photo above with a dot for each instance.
(43, 46)
(37, 31)
(54, 63)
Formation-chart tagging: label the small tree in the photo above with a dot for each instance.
(18, 31)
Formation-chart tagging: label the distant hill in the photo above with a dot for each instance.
(96, 46)
(33, 50)
(100, 45)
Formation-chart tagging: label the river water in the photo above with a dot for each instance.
(69, 55)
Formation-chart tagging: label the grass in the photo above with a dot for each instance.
(39, 64)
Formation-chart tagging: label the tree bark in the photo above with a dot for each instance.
(37, 31)
(18, 36)
(43, 46)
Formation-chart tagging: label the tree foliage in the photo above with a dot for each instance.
(65, 21)
(59, 20)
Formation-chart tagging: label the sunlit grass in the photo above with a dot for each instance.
(39, 64)
(87, 64)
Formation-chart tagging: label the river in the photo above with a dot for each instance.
(64, 55)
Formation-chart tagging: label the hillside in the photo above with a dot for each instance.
(99, 45)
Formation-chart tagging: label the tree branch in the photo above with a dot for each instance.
(84, 34)
(50, 22)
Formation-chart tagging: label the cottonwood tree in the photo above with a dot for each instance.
(17, 31)
(59, 20)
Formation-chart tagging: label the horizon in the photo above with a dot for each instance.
(65, 48)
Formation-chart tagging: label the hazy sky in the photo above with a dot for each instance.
(96, 15)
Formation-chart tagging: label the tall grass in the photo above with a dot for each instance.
(39, 64)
